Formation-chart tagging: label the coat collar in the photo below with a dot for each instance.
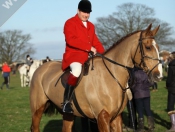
(80, 22)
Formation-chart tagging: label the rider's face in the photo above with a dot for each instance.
(84, 16)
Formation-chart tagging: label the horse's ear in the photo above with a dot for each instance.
(155, 30)
(147, 31)
(149, 27)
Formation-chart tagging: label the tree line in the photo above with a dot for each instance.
(129, 17)
(14, 45)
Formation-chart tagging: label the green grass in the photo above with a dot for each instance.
(15, 113)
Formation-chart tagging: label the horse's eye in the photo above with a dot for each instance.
(148, 48)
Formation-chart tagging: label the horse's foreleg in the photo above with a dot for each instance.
(68, 120)
(21, 77)
(103, 121)
(29, 81)
(24, 81)
(116, 124)
(36, 119)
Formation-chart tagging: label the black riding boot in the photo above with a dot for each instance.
(67, 106)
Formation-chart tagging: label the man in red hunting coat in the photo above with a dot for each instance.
(80, 39)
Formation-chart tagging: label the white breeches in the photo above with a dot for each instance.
(76, 68)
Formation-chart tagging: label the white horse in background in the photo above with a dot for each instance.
(23, 75)
(26, 78)
(33, 67)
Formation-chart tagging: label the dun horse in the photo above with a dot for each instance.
(100, 95)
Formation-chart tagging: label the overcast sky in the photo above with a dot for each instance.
(44, 20)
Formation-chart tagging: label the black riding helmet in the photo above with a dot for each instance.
(85, 6)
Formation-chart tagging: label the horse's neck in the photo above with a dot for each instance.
(122, 53)
(23, 69)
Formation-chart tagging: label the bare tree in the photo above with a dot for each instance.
(129, 18)
(14, 46)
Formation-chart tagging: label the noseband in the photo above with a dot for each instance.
(143, 56)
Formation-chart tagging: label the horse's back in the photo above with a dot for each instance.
(45, 74)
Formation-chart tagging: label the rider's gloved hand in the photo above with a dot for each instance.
(93, 50)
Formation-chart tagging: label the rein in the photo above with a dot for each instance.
(126, 67)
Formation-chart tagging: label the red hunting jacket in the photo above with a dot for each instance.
(79, 41)
(6, 68)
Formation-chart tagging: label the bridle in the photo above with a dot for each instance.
(143, 56)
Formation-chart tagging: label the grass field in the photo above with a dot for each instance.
(15, 110)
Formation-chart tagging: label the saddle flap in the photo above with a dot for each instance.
(64, 78)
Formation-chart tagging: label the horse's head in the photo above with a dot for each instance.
(147, 55)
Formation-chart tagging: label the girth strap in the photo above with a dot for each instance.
(77, 106)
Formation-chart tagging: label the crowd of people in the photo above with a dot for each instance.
(12, 68)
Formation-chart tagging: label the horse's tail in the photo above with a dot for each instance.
(51, 109)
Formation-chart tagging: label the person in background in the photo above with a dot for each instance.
(80, 40)
(6, 74)
(154, 86)
(141, 94)
(29, 62)
(48, 59)
(170, 85)
(13, 69)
